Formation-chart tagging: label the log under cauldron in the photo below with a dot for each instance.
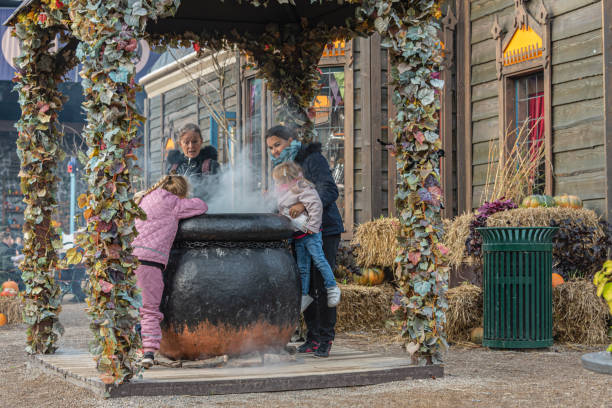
(231, 287)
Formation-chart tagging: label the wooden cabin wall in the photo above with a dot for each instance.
(170, 110)
(577, 95)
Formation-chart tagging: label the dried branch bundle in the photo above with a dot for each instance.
(513, 174)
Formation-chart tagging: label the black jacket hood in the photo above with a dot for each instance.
(307, 150)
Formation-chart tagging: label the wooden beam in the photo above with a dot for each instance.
(376, 124)
(366, 126)
(548, 142)
(607, 71)
(391, 160)
(349, 145)
(464, 109)
(262, 139)
(446, 112)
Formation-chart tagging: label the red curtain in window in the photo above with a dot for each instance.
(536, 122)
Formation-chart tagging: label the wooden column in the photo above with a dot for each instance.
(607, 71)
(366, 125)
(376, 124)
(446, 112)
(464, 109)
(349, 145)
(391, 160)
(262, 138)
(371, 124)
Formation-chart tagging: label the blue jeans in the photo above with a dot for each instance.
(311, 246)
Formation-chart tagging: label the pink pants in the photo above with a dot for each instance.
(150, 281)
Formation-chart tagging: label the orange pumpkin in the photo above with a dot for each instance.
(370, 277)
(3, 319)
(538, 200)
(568, 201)
(557, 280)
(11, 285)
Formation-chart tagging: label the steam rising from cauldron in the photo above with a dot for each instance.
(236, 189)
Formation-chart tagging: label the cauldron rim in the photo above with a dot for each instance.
(235, 227)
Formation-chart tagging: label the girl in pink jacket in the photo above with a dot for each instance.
(165, 204)
(292, 188)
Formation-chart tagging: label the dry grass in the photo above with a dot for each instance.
(464, 312)
(376, 242)
(364, 308)
(579, 316)
(512, 174)
(456, 232)
(12, 309)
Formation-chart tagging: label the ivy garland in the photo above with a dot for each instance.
(109, 33)
(422, 269)
(40, 70)
(287, 57)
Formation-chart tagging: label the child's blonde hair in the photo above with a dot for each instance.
(177, 185)
(289, 172)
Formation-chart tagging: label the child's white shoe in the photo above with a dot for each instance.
(306, 301)
(148, 360)
(333, 296)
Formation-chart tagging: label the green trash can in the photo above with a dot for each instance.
(517, 285)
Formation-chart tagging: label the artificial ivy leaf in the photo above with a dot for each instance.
(82, 200)
(422, 287)
(426, 96)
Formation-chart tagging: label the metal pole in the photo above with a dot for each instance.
(72, 195)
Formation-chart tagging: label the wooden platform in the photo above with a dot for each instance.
(344, 368)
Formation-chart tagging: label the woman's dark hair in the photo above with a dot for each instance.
(281, 131)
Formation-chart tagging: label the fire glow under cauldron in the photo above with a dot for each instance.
(231, 287)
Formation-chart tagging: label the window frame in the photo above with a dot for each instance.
(506, 74)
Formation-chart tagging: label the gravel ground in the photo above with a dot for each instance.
(474, 377)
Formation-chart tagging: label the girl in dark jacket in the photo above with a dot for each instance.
(320, 319)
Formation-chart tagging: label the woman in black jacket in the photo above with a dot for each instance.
(320, 319)
(195, 162)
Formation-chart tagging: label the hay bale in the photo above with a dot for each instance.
(376, 242)
(579, 247)
(464, 312)
(11, 307)
(364, 308)
(579, 316)
(456, 232)
(541, 217)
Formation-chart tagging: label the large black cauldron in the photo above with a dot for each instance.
(232, 286)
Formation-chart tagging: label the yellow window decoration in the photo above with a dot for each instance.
(170, 144)
(335, 49)
(321, 105)
(525, 45)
